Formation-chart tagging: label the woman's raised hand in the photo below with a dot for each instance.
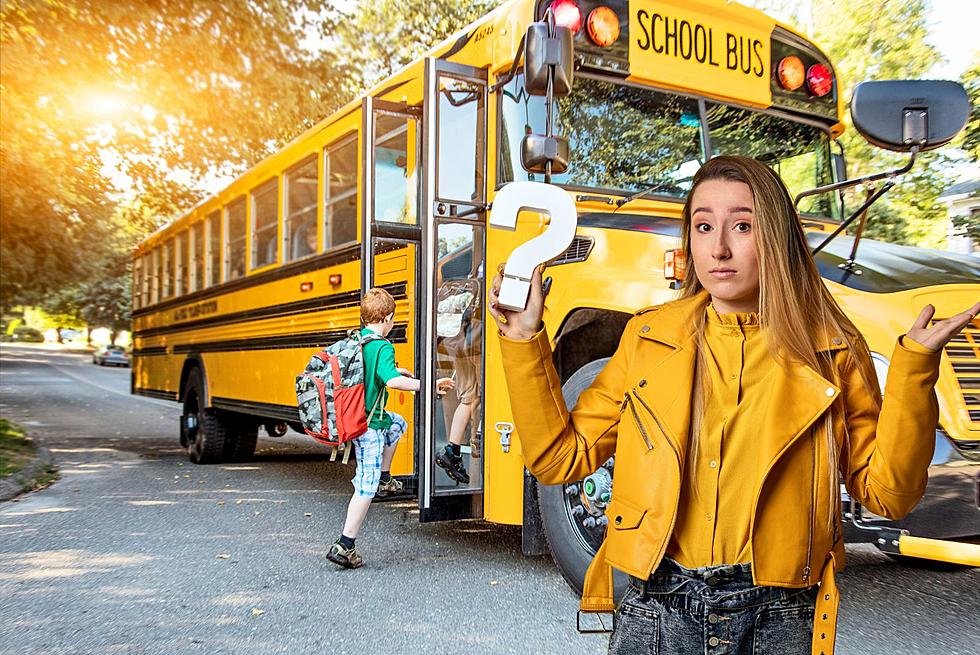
(936, 336)
(519, 325)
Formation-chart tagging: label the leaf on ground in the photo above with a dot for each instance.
(222, 556)
(238, 502)
(493, 583)
(257, 612)
(221, 502)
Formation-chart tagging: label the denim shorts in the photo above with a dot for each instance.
(712, 610)
(368, 449)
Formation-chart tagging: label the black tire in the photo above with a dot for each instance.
(572, 547)
(240, 441)
(206, 442)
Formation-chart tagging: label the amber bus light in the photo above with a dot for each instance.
(790, 72)
(603, 26)
(675, 263)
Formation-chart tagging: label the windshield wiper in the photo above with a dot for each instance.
(639, 194)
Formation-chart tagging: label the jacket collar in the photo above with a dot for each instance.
(672, 324)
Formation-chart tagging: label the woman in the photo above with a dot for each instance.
(732, 413)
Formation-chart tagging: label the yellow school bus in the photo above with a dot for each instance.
(395, 189)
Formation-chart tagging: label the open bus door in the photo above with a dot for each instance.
(454, 237)
(391, 237)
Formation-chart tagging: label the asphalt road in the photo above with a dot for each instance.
(137, 551)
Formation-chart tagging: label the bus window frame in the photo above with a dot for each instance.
(480, 139)
(211, 220)
(137, 287)
(707, 144)
(156, 285)
(287, 244)
(325, 225)
(419, 165)
(167, 260)
(252, 245)
(227, 242)
(181, 247)
(195, 242)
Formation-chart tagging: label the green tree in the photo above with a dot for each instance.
(880, 40)
(166, 92)
(971, 137)
(382, 37)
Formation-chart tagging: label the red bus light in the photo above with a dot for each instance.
(819, 80)
(567, 14)
(603, 26)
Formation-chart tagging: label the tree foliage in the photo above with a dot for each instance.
(880, 40)
(163, 92)
(971, 137)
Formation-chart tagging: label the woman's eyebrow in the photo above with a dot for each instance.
(739, 210)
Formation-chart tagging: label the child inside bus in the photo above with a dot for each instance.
(731, 413)
(375, 449)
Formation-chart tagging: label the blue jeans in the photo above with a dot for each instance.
(712, 610)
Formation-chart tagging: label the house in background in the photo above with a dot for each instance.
(962, 199)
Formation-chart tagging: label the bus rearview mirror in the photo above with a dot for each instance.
(537, 151)
(543, 53)
(904, 114)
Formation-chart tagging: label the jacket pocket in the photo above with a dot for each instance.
(624, 515)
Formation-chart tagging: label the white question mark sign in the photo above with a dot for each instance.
(531, 196)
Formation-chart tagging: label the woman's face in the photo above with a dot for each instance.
(723, 245)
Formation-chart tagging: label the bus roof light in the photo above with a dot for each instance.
(603, 26)
(567, 14)
(790, 71)
(819, 80)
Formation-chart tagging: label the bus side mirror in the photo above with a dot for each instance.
(543, 54)
(537, 151)
(903, 115)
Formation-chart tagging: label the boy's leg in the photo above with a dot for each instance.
(391, 437)
(367, 449)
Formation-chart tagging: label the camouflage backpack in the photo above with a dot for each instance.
(330, 393)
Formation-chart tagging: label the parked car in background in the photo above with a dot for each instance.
(27, 334)
(115, 355)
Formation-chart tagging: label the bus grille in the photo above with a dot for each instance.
(963, 351)
(577, 252)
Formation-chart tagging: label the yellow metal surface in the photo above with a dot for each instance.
(707, 47)
(954, 552)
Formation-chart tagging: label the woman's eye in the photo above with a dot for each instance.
(702, 227)
(743, 227)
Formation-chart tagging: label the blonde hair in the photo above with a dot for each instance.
(796, 310)
(376, 305)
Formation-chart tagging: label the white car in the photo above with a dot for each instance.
(115, 355)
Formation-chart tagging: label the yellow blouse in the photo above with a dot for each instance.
(713, 528)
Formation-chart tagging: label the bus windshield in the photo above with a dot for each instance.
(626, 139)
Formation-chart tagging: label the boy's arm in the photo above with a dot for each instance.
(388, 373)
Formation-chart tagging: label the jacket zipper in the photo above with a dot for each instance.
(660, 425)
(636, 417)
(813, 484)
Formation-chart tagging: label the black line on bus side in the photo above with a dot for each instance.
(398, 290)
(342, 255)
(155, 393)
(271, 410)
(399, 334)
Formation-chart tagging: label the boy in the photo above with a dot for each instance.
(375, 449)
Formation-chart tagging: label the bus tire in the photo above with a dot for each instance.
(205, 442)
(241, 441)
(569, 544)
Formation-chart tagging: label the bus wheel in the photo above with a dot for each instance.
(573, 515)
(240, 442)
(204, 430)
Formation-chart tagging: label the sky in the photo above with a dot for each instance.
(954, 33)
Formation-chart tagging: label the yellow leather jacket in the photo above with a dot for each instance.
(638, 408)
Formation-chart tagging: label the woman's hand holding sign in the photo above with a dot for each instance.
(513, 324)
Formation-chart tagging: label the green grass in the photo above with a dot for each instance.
(15, 448)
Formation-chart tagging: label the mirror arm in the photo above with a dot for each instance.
(512, 73)
(859, 180)
(850, 219)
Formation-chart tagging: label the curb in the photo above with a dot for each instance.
(21, 481)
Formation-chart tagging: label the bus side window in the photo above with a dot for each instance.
(300, 210)
(235, 239)
(180, 264)
(214, 249)
(168, 269)
(340, 204)
(196, 267)
(265, 224)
